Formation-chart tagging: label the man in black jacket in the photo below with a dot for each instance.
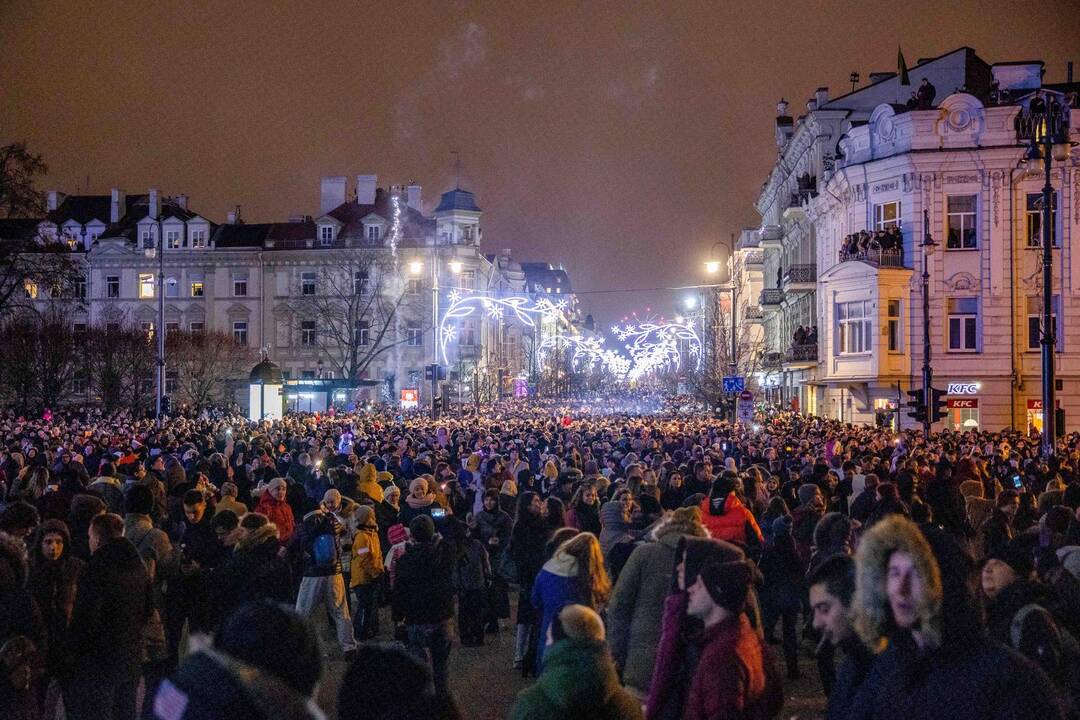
(103, 650)
(323, 584)
(424, 594)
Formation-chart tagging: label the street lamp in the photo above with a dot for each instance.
(928, 246)
(1049, 141)
(712, 267)
(160, 330)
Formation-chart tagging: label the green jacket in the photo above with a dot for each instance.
(578, 683)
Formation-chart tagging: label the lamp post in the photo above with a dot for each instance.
(1049, 141)
(928, 246)
(712, 267)
(160, 330)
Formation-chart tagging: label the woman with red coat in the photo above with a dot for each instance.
(726, 518)
(273, 505)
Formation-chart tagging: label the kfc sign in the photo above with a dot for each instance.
(962, 389)
(962, 403)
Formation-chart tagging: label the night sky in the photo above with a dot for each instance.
(619, 139)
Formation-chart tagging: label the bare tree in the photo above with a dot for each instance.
(706, 381)
(19, 169)
(38, 359)
(351, 310)
(206, 365)
(122, 364)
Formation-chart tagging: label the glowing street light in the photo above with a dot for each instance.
(455, 266)
(415, 267)
(690, 302)
(712, 267)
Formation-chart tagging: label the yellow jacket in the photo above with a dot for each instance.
(366, 483)
(366, 565)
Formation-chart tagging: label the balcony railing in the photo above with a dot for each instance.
(879, 258)
(754, 257)
(771, 296)
(1041, 119)
(801, 353)
(800, 274)
(752, 312)
(772, 359)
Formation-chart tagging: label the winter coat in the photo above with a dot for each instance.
(52, 585)
(472, 566)
(211, 685)
(493, 526)
(585, 518)
(111, 492)
(995, 532)
(615, 526)
(366, 560)
(366, 485)
(527, 541)
(851, 673)
(637, 606)
(555, 588)
(105, 636)
(280, 513)
(423, 592)
(735, 675)
(254, 572)
(578, 683)
(736, 524)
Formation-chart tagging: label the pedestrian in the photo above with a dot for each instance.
(423, 594)
(584, 512)
(637, 600)
(526, 552)
(23, 633)
(781, 595)
(385, 682)
(256, 571)
(274, 505)
(365, 577)
(470, 576)
(323, 584)
(579, 681)
(726, 518)
(103, 646)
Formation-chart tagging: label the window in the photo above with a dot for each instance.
(307, 283)
(467, 233)
(239, 332)
(467, 280)
(963, 226)
(198, 239)
(80, 383)
(239, 286)
(31, 289)
(854, 327)
(146, 285)
(895, 327)
(1035, 216)
(413, 286)
(372, 234)
(197, 288)
(172, 239)
(111, 328)
(79, 328)
(1034, 317)
(307, 333)
(112, 286)
(887, 215)
(172, 378)
(147, 237)
(196, 326)
(360, 283)
(148, 328)
(307, 374)
(363, 332)
(78, 287)
(468, 333)
(326, 235)
(414, 336)
(963, 324)
(171, 326)
(172, 288)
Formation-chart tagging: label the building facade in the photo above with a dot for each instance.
(949, 165)
(356, 294)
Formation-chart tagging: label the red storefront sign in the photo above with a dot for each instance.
(962, 403)
(1037, 404)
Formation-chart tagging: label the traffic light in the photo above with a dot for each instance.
(938, 405)
(915, 403)
(166, 405)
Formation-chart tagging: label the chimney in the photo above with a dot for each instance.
(153, 204)
(332, 193)
(181, 201)
(821, 96)
(365, 189)
(811, 105)
(118, 206)
(1069, 72)
(415, 197)
(784, 125)
(231, 218)
(53, 200)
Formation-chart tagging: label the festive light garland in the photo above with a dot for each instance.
(527, 311)
(657, 346)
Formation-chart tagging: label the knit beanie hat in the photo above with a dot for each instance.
(807, 491)
(727, 583)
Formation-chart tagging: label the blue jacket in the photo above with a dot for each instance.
(554, 589)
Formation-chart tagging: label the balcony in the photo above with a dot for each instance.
(800, 277)
(771, 296)
(1037, 121)
(754, 257)
(772, 359)
(804, 355)
(752, 314)
(875, 257)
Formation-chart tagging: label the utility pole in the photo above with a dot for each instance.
(927, 372)
(1049, 435)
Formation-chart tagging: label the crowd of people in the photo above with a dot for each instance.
(643, 563)
(889, 241)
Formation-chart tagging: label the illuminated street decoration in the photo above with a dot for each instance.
(527, 311)
(586, 354)
(659, 346)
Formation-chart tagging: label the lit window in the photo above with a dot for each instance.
(148, 328)
(198, 239)
(963, 226)
(887, 215)
(172, 239)
(197, 288)
(963, 324)
(854, 327)
(31, 289)
(146, 285)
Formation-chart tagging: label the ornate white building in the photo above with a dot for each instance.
(351, 295)
(869, 163)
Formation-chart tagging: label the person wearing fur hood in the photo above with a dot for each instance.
(915, 606)
(256, 571)
(637, 601)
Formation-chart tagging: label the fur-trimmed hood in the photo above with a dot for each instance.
(874, 621)
(257, 537)
(684, 521)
